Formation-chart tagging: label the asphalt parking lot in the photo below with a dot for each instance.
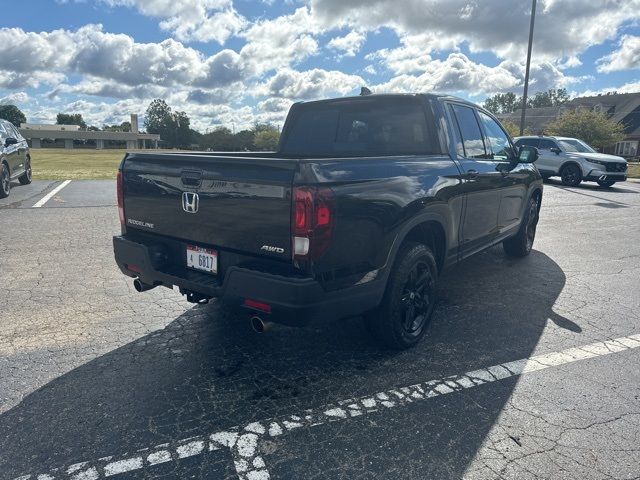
(530, 368)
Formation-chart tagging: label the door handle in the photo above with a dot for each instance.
(472, 173)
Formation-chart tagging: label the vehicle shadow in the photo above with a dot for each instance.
(206, 371)
(591, 187)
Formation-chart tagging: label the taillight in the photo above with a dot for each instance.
(313, 219)
(120, 194)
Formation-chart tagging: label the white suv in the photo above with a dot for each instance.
(574, 161)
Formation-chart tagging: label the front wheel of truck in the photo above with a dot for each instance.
(409, 300)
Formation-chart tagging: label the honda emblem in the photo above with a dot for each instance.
(190, 202)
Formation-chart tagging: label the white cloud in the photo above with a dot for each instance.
(456, 73)
(116, 57)
(350, 44)
(563, 28)
(627, 57)
(279, 42)
(187, 20)
(275, 105)
(109, 89)
(311, 84)
(14, 80)
(112, 74)
(14, 98)
(631, 87)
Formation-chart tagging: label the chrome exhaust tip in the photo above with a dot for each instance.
(258, 324)
(141, 286)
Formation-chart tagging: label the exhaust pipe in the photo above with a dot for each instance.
(141, 286)
(259, 325)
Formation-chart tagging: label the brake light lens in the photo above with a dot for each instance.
(120, 194)
(313, 221)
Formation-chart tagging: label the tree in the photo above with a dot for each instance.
(550, 98)
(220, 139)
(594, 128)
(71, 119)
(12, 114)
(266, 139)
(173, 127)
(513, 129)
(123, 127)
(509, 102)
(502, 103)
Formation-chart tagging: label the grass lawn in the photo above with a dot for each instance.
(77, 164)
(61, 164)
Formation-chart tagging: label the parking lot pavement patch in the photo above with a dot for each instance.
(244, 441)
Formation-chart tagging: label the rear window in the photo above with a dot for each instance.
(359, 127)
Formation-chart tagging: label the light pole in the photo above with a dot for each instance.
(526, 72)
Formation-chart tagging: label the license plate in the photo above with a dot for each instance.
(203, 259)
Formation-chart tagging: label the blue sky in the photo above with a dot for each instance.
(225, 61)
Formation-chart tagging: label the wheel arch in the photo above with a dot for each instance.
(570, 162)
(428, 229)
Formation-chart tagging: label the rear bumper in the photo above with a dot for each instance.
(293, 301)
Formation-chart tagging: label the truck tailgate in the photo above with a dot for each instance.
(241, 203)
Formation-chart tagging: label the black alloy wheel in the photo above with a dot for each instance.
(416, 301)
(409, 299)
(571, 175)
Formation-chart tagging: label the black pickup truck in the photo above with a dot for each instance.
(365, 202)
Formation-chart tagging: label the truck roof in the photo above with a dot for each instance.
(390, 95)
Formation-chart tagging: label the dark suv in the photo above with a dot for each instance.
(15, 160)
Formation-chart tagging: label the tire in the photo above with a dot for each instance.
(606, 183)
(25, 178)
(520, 244)
(409, 300)
(5, 181)
(571, 175)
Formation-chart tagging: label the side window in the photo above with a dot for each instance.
(529, 142)
(3, 132)
(497, 139)
(546, 144)
(12, 131)
(472, 140)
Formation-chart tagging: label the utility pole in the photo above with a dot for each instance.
(526, 73)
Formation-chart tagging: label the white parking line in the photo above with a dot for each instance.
(49, 195)
(244, 441)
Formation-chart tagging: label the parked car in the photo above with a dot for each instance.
(574, 161)
(364, 204)
(15, 160)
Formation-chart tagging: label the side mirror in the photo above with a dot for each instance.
(10, 141)
(527, 154)
(555, 150)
